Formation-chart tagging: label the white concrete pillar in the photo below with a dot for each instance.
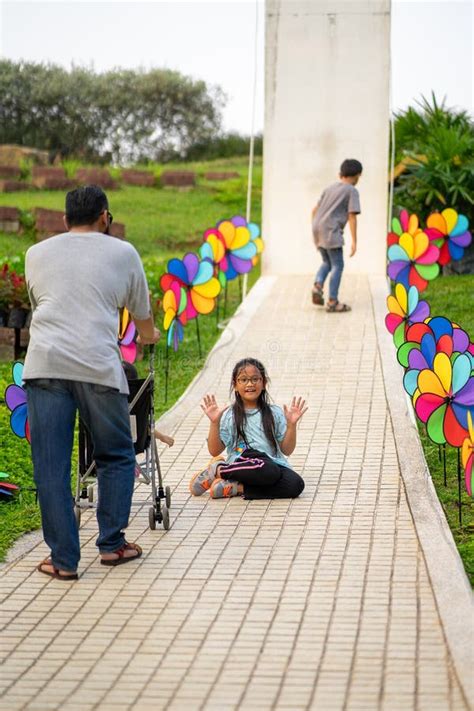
(326, 99)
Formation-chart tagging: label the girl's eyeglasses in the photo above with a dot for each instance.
(254, 380)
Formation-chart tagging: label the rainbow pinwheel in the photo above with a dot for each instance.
(405, 309)
(241, 246)
(126, 338)
(404, 223)
(449, 232)
(412, 258)
(15, 398)
(444, 396)
(231, 249)
(467, 456)
(254, 230)
(423, 341)
(213, 250)
(197, 278)
(174, 305)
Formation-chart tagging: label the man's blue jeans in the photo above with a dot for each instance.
(52, 407)
(333, 261)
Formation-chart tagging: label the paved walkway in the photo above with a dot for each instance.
(324, 602)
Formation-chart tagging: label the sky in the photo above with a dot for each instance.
(222, 42)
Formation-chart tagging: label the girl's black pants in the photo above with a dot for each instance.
(262, 477)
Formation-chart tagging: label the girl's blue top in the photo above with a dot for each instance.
(254, 432)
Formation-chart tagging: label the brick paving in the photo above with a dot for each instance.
(321, 603)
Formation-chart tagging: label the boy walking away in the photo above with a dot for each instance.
(338, 204)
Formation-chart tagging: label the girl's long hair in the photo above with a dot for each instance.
(263, 404)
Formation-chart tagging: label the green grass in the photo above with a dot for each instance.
(451, 296)
(161, 223)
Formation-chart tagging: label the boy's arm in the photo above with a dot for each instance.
(353, 229)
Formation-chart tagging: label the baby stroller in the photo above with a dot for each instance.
(142, 422)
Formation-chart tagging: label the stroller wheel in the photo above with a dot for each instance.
(168, 497)
(166, 517)
(77, 515)
(90, 493)
(152, 518)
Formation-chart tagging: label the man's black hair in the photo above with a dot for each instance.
(350, 167)
(84, 205)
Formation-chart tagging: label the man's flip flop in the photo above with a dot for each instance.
(337, 308)
(120, 552)
(55, 573)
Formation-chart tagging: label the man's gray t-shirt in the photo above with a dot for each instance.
(77, 282)
(334, 206)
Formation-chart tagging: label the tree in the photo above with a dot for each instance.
(440, 143)
(128, 114)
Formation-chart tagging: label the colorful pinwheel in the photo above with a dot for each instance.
(241, 247)
(174, 305)
(405, 309)
(449, 232)
(254, 230)
(404, 223)
(197, 277)
(126, 338)
(15, 398)
(423, 341)
(467, 456)
(213, 250)
(412, 257)
(444, 396)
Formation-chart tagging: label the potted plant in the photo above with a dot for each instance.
(6, 294)
(20, 301)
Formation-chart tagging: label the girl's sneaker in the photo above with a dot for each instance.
(203, 479)
(222, 489)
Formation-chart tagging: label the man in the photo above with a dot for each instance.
(77, 282)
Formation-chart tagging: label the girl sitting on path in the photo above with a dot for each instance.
(257, 436)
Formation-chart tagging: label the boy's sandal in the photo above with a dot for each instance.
(317, 295)
(337, 308)
(121, 557)
(55, 572)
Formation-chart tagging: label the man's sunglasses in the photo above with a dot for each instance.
(110, 217)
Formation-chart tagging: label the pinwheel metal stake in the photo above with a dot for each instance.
(459, 486)
(167, 370)
(444, 464)
(198, 337)
(225, 300)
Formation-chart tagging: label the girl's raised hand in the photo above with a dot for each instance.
(210, 408)
(295, 411)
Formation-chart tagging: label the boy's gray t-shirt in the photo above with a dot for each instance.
(77, 282)
(334, 206)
